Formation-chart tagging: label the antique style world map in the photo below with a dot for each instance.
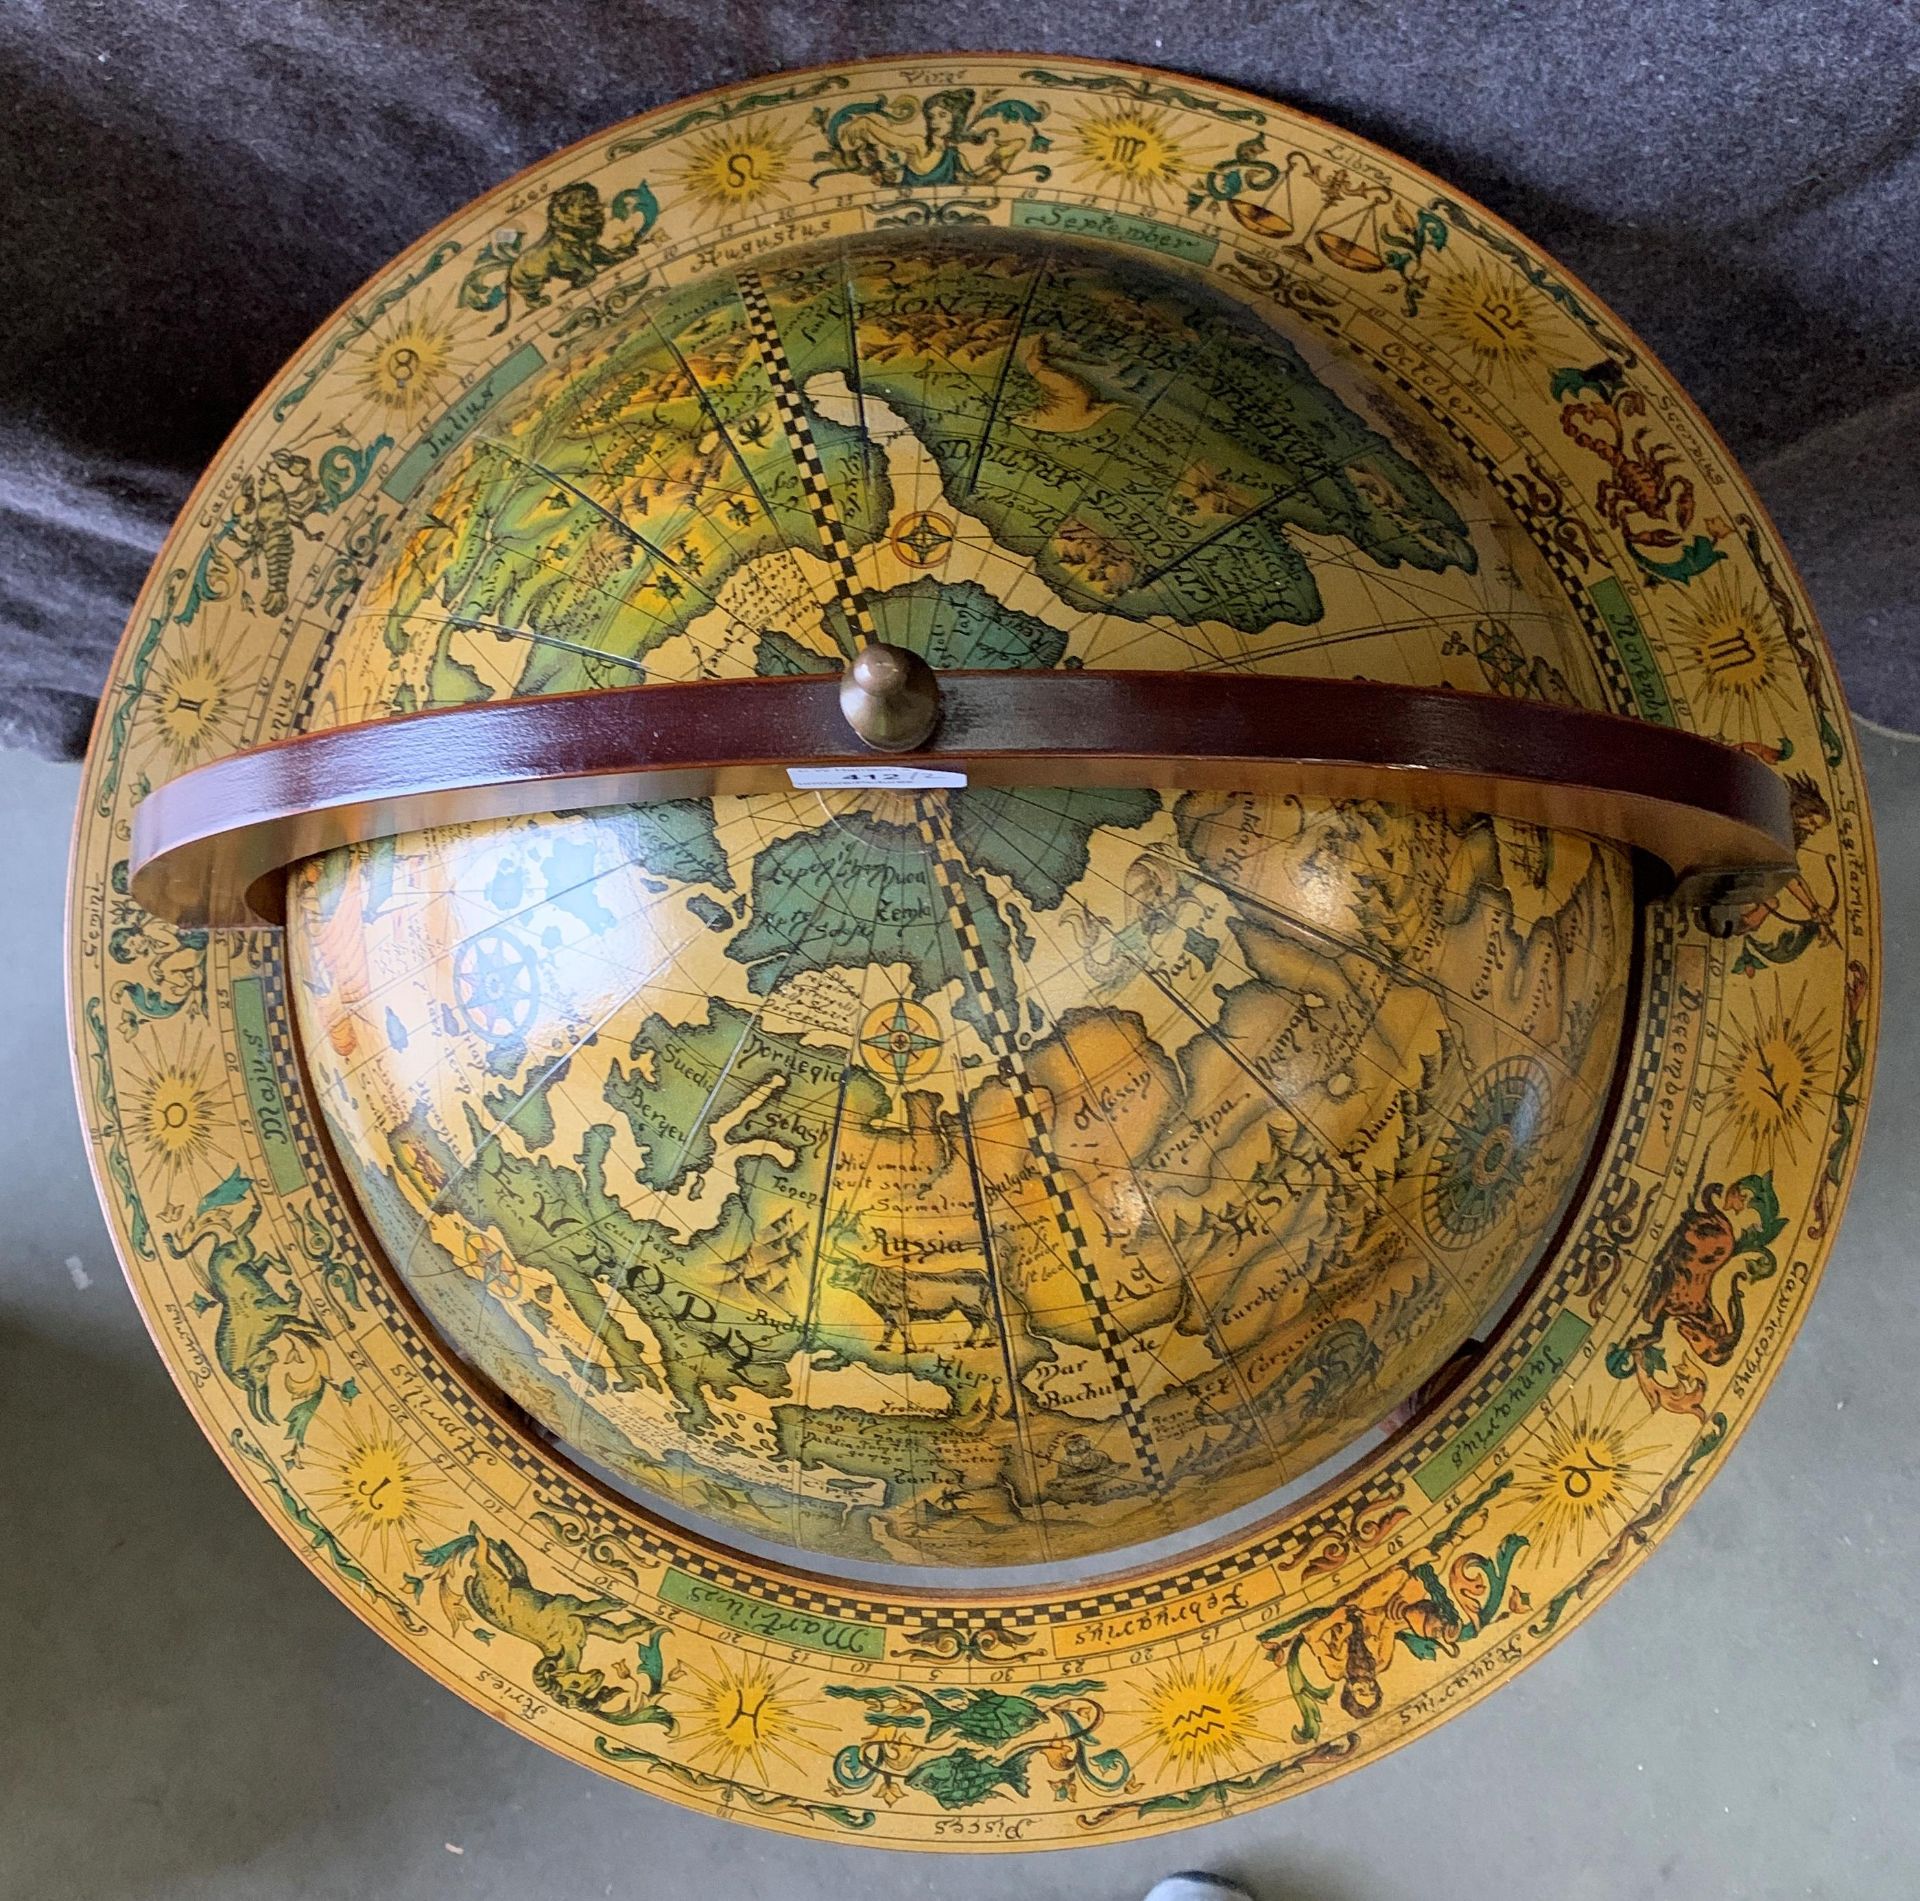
(751, 1291)
(971, 1176)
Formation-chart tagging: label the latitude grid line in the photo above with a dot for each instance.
(1059, 1197)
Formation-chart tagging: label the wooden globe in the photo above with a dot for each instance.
(868, 1311)
(941, 1176)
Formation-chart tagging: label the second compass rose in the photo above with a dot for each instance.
(901, 1039)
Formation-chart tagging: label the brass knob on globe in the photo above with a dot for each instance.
(890, 698)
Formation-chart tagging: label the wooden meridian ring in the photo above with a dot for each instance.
(211, 848)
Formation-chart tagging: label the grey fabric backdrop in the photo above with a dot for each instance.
(190, 185)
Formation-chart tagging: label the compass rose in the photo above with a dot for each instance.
(922, 539)
(901, 1037)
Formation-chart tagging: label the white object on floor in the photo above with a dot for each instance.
(1196, 1886)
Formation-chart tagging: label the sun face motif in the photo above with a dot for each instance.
(1774, 1077)
(375, 1494)
(195, 709)
(1733, 657)
(1490, 318)
(176, 1115)
(1593, 1472)
(403, 369)
(745, 1713)
(1137, 151)
(1203, 1719)
(734, 168)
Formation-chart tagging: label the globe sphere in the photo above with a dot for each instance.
(936, 1176)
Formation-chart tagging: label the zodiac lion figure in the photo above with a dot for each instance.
(1725, 1226)
(570, 246)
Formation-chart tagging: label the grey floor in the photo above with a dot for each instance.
(185, 1713)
